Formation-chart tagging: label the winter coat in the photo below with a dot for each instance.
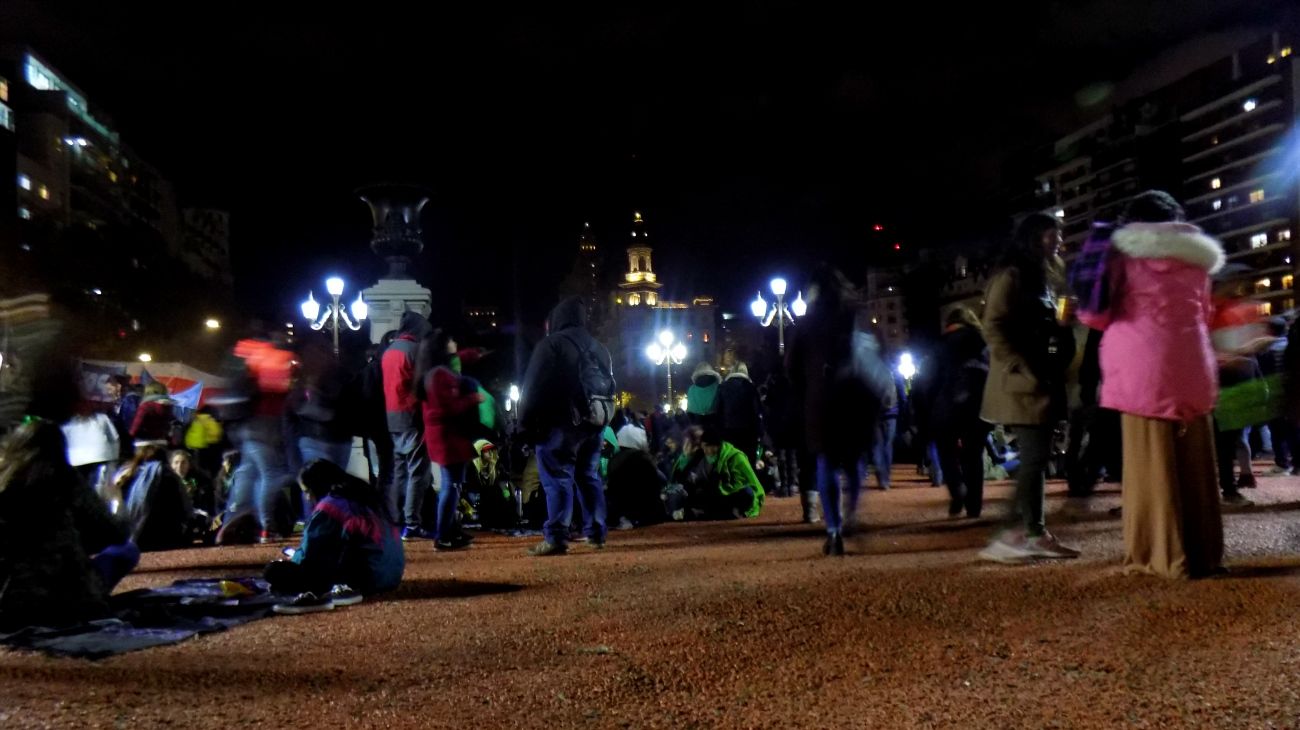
(50, 524)
(153, 419)
(841, 380)
(960, 370)
(398, 364)
(733, 473)
(740, 413)
(450, 417)
(1156, 356)
(324, 408)
(347, 542)
(1026, 385)
(158, 508)
(551, 388)
(91, 440)
(782, 415)
(204, 432)
(702, 396)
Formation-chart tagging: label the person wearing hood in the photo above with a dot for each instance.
(411, 477)
(153, 419)
(1159, 371)
(740, 412)
(553, 401)
(957, 378)
(451, 418)
(702, 396)
(733, 490)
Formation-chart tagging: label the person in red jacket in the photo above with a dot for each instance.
(153, 419)
(410, 479)
(450, 403)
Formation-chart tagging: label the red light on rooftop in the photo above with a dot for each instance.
(898, 247)
(877, 228)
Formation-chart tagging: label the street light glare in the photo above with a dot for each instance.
(799, 306)
(334, 285)
(758, 307)
(666, 338)
(360, 309)
(654, 352)
(213, 324)
(311, 307)
(514, 392)
(778, 286)
(146, 357)
(906, 366)
(679, 352)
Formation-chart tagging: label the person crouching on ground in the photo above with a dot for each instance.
(348, 549)
(734, 490)
(1158, 371)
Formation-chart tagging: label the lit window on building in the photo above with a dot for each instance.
(1265, 309)
(1272, 59)
(1284, 234)
(1257, 196)
(1059, 213)
(652, 299)
(44, 192)
(1216, 183)
(1217, 204)
(1046, 186)
(1263, 285)
(24, 182)
(705, 338)
(1259, 240)
(39, 76)
(25, 214)
(4, 89)
(1288, 281)
(633, 299)
(1249, 105)
(1286, 51)
(6, 117)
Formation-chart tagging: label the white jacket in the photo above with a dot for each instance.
(91, 440)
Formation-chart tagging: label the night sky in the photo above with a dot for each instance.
(756, 138)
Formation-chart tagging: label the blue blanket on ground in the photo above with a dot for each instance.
(154, 617)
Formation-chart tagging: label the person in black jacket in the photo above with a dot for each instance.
(959, 372)
(568, 454)
(740, 412)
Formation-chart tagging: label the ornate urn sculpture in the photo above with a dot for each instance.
(396, 236)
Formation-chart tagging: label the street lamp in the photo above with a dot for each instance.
(778, 311)
(334, 311)
(667, 352)
(212, 323)
(907, 366)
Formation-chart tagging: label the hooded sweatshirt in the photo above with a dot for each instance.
(551, 382)
(702, 397)
(398, 364)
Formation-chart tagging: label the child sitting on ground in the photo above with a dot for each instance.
(348, 549)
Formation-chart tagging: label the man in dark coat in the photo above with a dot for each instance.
(568, 454)
(740, 412)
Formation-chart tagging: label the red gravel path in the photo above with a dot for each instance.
(735, 625)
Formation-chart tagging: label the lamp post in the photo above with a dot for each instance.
(778, 311)
(334, 311)
(667, 351)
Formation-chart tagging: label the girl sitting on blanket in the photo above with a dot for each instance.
(348, 549)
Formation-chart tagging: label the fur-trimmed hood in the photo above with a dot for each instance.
(1182, 241)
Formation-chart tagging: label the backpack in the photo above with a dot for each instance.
(1089, 279)
(592, 401)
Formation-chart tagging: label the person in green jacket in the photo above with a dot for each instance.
(736, 491)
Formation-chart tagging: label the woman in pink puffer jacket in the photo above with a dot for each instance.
(1159, 370)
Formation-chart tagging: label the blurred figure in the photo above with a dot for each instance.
(372, 423)
(155, 416)
(126, 401)
(93, 450)
(1158, 371)
(451, 419)
(204, 438)
(1238, 334)
(961, 369)
(892, 404)
(411, 475)
(1028, 355)
(568, 369)
(1272, 363)
(782, 416)
(842, 381)
(631, 435)
(1094, 444)
(319, 407)
(740, 412)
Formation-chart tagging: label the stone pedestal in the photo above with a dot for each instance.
(388, 299)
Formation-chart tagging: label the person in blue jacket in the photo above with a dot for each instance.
(348, 548)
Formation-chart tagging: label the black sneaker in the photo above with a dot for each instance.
(343, 595)
(455, 542)
(304, 603)
(834, 544)
(544, 548)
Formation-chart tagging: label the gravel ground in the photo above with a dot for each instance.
(739, 624)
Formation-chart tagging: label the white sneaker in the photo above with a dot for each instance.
(1008, 551)
(1047, 546)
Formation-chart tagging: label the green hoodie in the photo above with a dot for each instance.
(734, 474)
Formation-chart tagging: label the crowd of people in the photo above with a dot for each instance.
(86, 485)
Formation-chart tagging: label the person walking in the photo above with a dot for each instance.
(835, 364)
(450, 404)
(961, 368)
(1025, 391)
(740, 412)
(1157, 324)
(566, 403)
(1272, 363)
(882, 447)
(411, 470)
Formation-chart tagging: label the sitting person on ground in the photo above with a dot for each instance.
(61, 553)
(631, 435)
(158, 509)
(633, 490)
(488, 484)
(198, 484)
(348, 550)
(736, 490)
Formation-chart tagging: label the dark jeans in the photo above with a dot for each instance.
(787, 462)
(1284, 436)
(1035, 445)
(411, 477)
(259, 481)
(961, 458)
(1226, 444)
(882, 451)
(568, 464)
(829, 471)
(1084, 463)
(453, 477)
